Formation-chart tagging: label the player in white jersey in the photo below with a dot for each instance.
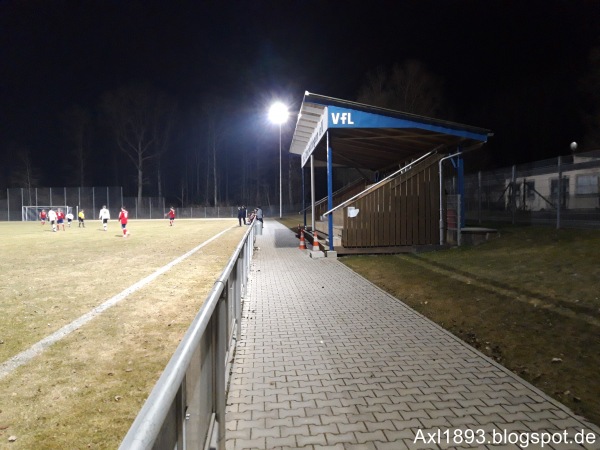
(104, 217)
(52, 218)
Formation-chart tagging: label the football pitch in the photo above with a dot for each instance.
(101, 315)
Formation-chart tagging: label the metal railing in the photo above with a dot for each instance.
(186, 408)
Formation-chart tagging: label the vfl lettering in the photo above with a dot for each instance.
(345, 118)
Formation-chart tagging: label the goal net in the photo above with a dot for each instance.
(31, 213)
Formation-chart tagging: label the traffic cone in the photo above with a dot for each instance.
(302, 243)
(315, 242)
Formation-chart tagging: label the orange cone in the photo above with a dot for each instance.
(302, 242)
(315, 242)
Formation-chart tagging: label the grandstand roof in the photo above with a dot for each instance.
(369, 137)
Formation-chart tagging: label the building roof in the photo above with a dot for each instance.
(369, 137)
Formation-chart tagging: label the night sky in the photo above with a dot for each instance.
(513, 67)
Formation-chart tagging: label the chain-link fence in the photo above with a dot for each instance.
(453, 221)
(92, 199)
(561, 192)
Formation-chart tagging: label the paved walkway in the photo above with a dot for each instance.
(328, 360)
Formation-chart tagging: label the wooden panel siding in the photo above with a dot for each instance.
(340, 196)
(401, 212)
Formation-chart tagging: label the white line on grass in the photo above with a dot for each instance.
(24, 357)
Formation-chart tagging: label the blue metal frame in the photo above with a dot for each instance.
(329, 193)
(352, 118)
(459, 165)
(303, 195)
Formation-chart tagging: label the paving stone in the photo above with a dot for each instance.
(328, 360)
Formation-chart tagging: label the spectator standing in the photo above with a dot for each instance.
(241, 215)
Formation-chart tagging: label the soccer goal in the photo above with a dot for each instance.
(31, 213)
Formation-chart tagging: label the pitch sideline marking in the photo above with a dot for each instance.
(27, 355)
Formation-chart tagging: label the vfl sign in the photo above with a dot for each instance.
(341, 118)
(318, 133)
(351, 118)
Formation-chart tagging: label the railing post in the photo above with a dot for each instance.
(559, 193)
(458, 220)
(479, 196)
(180, 414)
(513, 201)
(219, 367)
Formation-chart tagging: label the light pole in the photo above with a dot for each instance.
(278, 114)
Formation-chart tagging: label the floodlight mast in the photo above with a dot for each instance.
(278, 114)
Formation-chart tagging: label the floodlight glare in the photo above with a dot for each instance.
(278, 113)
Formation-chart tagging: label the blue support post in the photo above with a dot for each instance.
(459, 165)
(303, 195)
(329, 193)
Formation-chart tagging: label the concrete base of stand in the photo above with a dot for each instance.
(317, 254)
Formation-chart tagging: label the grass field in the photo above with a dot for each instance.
(529, 299)
(84, 391)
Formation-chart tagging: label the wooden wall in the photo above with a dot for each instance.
(341, 196)
(403, 211)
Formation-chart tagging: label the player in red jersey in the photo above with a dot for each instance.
(43, 216)
(123, 219)
(60, 219)
(171, 216)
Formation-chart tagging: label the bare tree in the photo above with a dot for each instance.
(77, 126)
(162, 128)
(407, 87)
(137, 115)
(214, 129)
(25, 174)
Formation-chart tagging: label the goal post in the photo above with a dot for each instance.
(31, 213)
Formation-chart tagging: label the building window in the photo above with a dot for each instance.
(586, 185)
(530, 188)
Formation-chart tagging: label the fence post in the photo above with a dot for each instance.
(479, 196)
(559, 194)
(8, 204)
(220, 365)
(513, 200)
(93, 201)
(458, 220)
